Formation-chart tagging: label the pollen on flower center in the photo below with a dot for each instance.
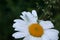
(36, 30)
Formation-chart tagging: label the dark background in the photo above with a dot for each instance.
(11, 9)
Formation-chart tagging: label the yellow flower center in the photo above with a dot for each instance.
(36, 30)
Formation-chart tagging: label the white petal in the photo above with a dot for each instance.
(52, 34)
(23, 13)
(27, 16)
(34, 38)
(26, 38)
(34, 13)
(46, 24)
(23, 16)
(31, 17)
(15, 25)
(20, 27)
(44, 37)
(18, 35)
(20, 21)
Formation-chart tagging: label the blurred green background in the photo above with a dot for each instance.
(11, 9)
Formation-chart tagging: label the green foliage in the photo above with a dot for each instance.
(11, 9)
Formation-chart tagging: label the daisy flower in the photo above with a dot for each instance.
(31, 28)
